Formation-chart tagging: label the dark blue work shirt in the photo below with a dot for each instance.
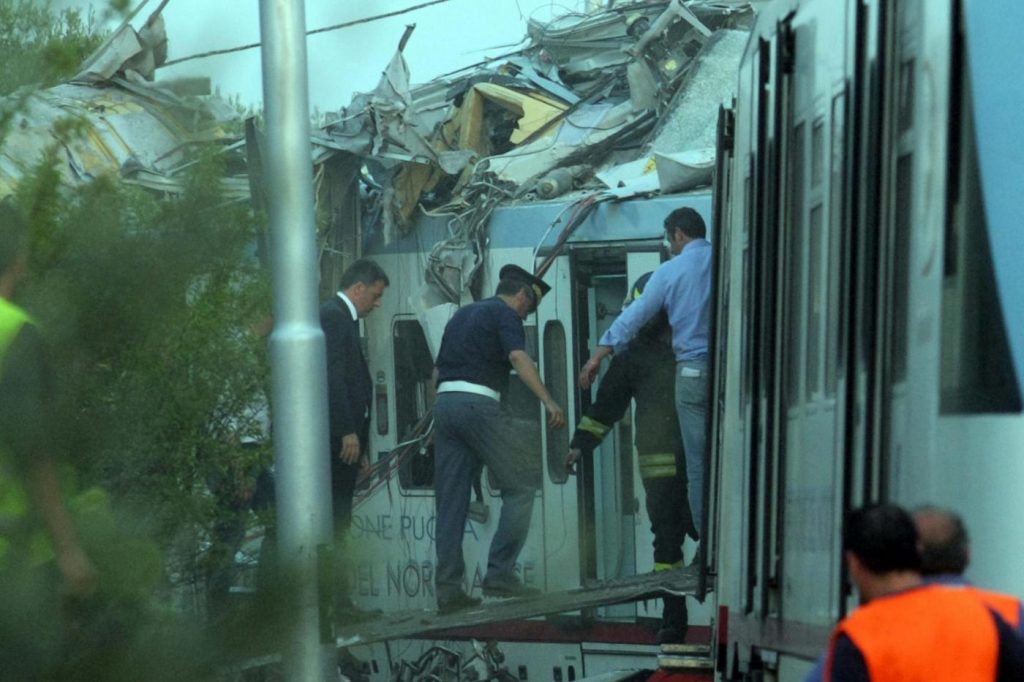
(477, 342)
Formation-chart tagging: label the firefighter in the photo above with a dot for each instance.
(646, 373)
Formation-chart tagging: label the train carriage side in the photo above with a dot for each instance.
(587, 527)
(868, 354)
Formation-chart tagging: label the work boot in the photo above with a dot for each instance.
(674, 621)
(509, 587)
(458, 601)
(346, 612)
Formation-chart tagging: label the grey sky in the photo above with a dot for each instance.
(448, 36)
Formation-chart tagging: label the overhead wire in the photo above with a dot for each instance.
(324, 29)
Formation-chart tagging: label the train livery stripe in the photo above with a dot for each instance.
(524, 225)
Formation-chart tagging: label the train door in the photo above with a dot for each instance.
(811, 447)
(615, 539)
(559, 502)
(791, 332)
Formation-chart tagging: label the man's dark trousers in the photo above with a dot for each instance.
(470, 431)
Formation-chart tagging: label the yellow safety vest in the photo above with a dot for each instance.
(13, 496)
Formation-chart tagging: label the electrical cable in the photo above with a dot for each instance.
(347, 24)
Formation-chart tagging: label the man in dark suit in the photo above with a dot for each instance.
(349, 388)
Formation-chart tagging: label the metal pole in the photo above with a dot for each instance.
(297, 352)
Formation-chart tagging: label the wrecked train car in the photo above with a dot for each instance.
(563, 158)
(112, 119)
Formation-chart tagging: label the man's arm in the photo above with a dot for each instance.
(1011, 652)
(25, 425)
(528, 373)
(613, 398)
(590, 369)
(639, 312)
(627, 324)
(43, 486)
(847, 664)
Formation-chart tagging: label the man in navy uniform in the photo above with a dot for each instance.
(482, 342)
(349, 389)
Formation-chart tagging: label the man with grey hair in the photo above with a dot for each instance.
(945, 555)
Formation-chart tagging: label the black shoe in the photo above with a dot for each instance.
(457, 602)
(508, 587)
(674, 621)
(348, 612)
(671, 636)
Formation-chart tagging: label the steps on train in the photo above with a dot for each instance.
(686, 658)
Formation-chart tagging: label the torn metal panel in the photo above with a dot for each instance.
(548, 80)
(534, 109)
(126, 52)
(384, 122)
(589, 92)
(685, 171)
(139, 138)
(691, 119)
(588, 126)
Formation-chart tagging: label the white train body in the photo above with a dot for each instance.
(868, 341)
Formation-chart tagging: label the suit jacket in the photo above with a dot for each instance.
(349, 388)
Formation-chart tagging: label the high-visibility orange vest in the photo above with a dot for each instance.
(1006, 605)
(922, 635)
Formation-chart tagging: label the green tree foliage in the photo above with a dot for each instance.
(153, 308)
(40, 46)
(151, 304)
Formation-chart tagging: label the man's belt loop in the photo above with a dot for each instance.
(468, 387)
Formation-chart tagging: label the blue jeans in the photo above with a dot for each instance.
(471, 431)
(692, 407)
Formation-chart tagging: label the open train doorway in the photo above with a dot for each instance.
(615, 537)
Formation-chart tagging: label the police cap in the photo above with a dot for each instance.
(517, 274)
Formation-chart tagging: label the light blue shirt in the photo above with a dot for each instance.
(682, 287)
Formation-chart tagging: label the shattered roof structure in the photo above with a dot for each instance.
(621, 102)
(124, 124)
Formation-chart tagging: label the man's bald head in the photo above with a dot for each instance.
(945, 546)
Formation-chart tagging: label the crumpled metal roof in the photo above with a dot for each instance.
(616, 103)
(588, 92)
(125, 125)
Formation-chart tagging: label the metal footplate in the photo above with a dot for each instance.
(689, 657)
(599, 593)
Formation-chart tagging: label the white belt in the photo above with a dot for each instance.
(468, 387)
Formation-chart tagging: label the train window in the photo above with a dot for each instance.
(901, 265)
(815, 302)
(817, 153)
(556, 378)
(977, 373)
(795, 269)
(833, 311)
(905, 115)
(815, 239)
(414, 397)
(746, 371)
